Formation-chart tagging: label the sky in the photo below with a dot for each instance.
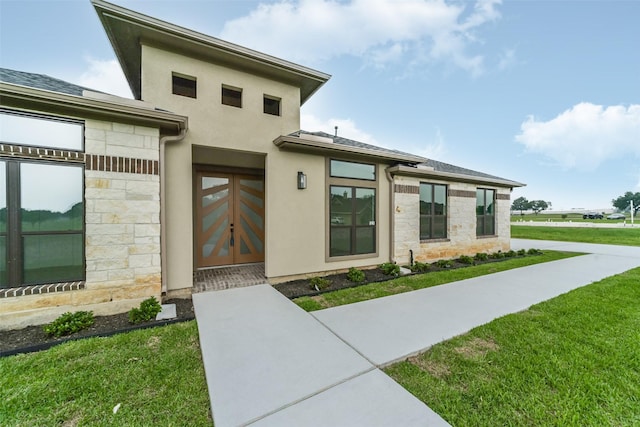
(546, 93)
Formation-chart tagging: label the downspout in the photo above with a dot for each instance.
(392, 204)
(163, 232)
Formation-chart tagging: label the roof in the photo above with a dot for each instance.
(128, 30)
(405, 163)
(40, 81)
(37, 92)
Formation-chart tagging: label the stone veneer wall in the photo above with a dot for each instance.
(461, 222)
(122, 230)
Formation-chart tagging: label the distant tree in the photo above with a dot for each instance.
(622, 202)
(521, 204)
(538, 206)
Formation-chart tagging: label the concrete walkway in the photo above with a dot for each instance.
(268, 363)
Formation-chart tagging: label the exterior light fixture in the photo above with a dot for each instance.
(302, 181)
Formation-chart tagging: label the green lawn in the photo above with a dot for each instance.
(570, 361)
(613, 236)
(412, 283)
(156, 375)
(556, 217)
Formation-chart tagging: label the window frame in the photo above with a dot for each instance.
(46, 118)
(231, 89)
(431, 216)
(184, 89)
(484, 216)
(271, 98)
(354, 184)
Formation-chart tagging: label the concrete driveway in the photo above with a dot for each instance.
(269, 363)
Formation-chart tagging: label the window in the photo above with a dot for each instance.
(433, 211)
(41, 213)
(485, 212)
(232, 96)
(184, 85)
(271, 105)
(352, 209)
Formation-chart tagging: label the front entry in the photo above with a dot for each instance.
(229, 219)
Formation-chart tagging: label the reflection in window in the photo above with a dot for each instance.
(433, 211)
(41, 132)
(3, 224)
(342, 169)
(232, 96)
(485, 212)
(183, 85)
(271, 105)
(353, 220)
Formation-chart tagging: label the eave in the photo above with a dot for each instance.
(301, 144)
(127, 30)
(30, 99)
(432, 173)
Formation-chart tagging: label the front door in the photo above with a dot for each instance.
(229, 219)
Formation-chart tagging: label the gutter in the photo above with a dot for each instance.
(163, 231)
(392, 204)
(422, 172)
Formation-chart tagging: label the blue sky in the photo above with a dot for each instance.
(541, 92)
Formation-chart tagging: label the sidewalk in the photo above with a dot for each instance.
(268, 363)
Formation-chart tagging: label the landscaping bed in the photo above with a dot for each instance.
(33, 338)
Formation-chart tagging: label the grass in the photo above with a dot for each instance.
(571, 361)
(155, 374)
(612, 236)
(414, 282)
(555, 217)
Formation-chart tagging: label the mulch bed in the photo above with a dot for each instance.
(33, 338)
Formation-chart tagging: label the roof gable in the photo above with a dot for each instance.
(127, 29)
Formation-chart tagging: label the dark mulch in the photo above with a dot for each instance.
(302, 287)
(33, 338)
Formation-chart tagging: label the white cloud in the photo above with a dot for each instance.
(507, 60)
(105, 76)
(379, 31)
(346, 128)
(435, 149)
(585, 135)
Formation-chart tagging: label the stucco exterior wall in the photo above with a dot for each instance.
(122, 230)
(461, 222)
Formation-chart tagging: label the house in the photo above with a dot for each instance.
(208, 167)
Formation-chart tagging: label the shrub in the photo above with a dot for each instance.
(420, 267)
(533, 251)
(510, 254)
(522, 252)
(355, 275)
(564, 216)
(465, 259)
(497, 255)
(481, 257)
(390, 269)
(69, 323)
(319, 283)
(148, 309)
(444, 263)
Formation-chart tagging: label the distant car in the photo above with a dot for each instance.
(592, 215)
(617, 216)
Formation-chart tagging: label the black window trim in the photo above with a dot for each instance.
(431, 215)
(484, 215)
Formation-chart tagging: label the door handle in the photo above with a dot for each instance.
(231, 240)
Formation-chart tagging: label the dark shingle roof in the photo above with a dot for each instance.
(40, 81)
(436, 165)
(351, 142)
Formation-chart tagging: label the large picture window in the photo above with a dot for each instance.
(433, 211)
(352, 209)
(485, 212)
(41, 214)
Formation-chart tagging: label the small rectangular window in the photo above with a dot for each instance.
(433, 211)
(184, 86)
(342, 169)
(271, 105)
(485, 212)
(232, 96)
(38, 131)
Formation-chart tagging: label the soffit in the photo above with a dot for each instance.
(127, 30)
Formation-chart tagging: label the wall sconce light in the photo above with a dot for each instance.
(302, 181)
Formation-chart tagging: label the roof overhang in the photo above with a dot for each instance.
(432, 173)
(317, 146)
(128, 30)
(110, 108)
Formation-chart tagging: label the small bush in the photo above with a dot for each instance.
(355, 275)
(444, 263)
(390, 269)
(481, 257)
(533, 251)
(510, 254)
(420, 267)
(69, 323)
(319, 283)
(564, 216)
(148, 309)
(497, 255)
(522, 252)
(465, 259)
